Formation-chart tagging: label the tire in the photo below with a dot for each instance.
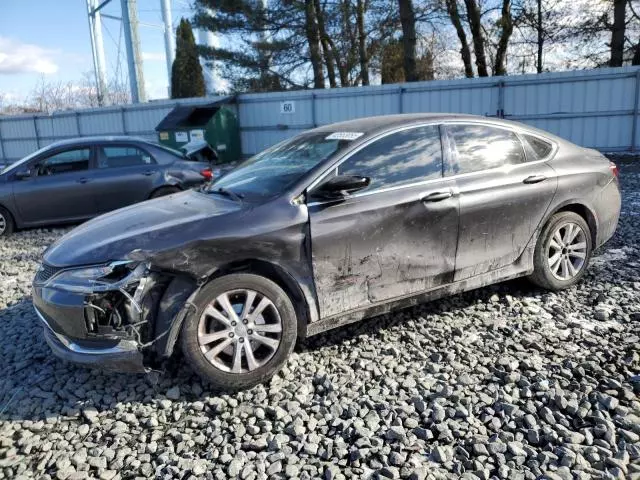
(7, 225)
(216, 362)
(164, 191)
(547, 272)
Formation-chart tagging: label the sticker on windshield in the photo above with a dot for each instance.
(344, 135)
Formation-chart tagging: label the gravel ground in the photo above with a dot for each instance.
(506, 382)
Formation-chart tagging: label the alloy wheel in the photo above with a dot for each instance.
(567, 251)
(239, 331)
(3, 224)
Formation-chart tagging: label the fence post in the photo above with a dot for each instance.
(500, 112)
(124, 121)
(400, 100)
(35, 129)
(2, 151)
(78, 130)
(313, 110)
(636, 112)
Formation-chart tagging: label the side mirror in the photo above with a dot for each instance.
(342, 185)
(24, 174)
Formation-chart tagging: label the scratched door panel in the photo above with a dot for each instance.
(372, 248)
(499, 215)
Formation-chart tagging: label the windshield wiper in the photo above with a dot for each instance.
(238, 197)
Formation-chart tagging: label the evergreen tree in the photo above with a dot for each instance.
(187, 79)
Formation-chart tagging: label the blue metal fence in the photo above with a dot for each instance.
(593, 108)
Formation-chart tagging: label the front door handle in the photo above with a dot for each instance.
(148, 173)
(83, 180)
(437, 196)
(534, 179)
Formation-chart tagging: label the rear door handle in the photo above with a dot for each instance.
(148, 173)
(534, 179)
(437, 196)
(83, 180)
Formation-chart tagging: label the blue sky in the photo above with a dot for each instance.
(51, 37)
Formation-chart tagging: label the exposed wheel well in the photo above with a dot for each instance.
(281, 278)
(588, 216)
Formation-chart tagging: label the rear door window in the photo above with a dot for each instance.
(403, 157)
(481, 147)
(69, 161)
(123, 156)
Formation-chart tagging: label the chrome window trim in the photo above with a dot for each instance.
(502, 169)
(369, 142)
(382, 190)
(508, 167)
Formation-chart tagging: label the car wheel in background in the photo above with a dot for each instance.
(6, 222)
(563, 252)
(164, 191)
(241, 333)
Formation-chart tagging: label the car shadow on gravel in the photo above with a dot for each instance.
(452, 304)
(37, 385)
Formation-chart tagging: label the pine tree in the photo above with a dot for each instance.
(187, 79)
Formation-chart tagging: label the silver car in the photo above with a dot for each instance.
(76, 179)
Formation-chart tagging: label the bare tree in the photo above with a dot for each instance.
(454, 16)
(362, 42)
(313, 38)
(327, 46)
(506, 29)
(409, 39)
(618, 32)
(475, 25)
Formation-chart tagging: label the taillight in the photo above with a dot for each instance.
(206, 173)
(614, 169)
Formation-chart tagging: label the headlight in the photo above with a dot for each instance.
(98, 278)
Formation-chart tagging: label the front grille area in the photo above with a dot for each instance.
(45, 272)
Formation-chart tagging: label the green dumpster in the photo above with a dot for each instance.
(214, 123)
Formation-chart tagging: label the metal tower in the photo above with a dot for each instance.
(132, 44)
(97, 49)
(169, 39)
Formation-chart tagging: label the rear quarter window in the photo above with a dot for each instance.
(537, 149)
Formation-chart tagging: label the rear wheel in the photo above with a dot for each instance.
(164, 191)
(6, 222)
(242, 332)
(563, 252)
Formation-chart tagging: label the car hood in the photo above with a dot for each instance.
(139, 231)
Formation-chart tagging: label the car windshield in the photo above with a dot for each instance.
(269, 173)
(23, 160)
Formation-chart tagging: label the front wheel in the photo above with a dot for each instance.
(241, 333)
(563, 252)
(6, 222)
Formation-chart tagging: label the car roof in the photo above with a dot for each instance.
(372, 125)
(70, 142)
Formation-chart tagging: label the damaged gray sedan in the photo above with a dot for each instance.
(339, 223)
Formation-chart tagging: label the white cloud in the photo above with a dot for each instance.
(153, 56)
(17, 57)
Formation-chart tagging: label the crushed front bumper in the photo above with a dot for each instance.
(123, 356)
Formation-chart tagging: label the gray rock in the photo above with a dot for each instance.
(173, 393)
(396, 433)
(442, 454)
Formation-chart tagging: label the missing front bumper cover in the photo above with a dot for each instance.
(123, 356)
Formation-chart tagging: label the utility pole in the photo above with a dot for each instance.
(132, 43)
(97, 50)
(169, 39)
